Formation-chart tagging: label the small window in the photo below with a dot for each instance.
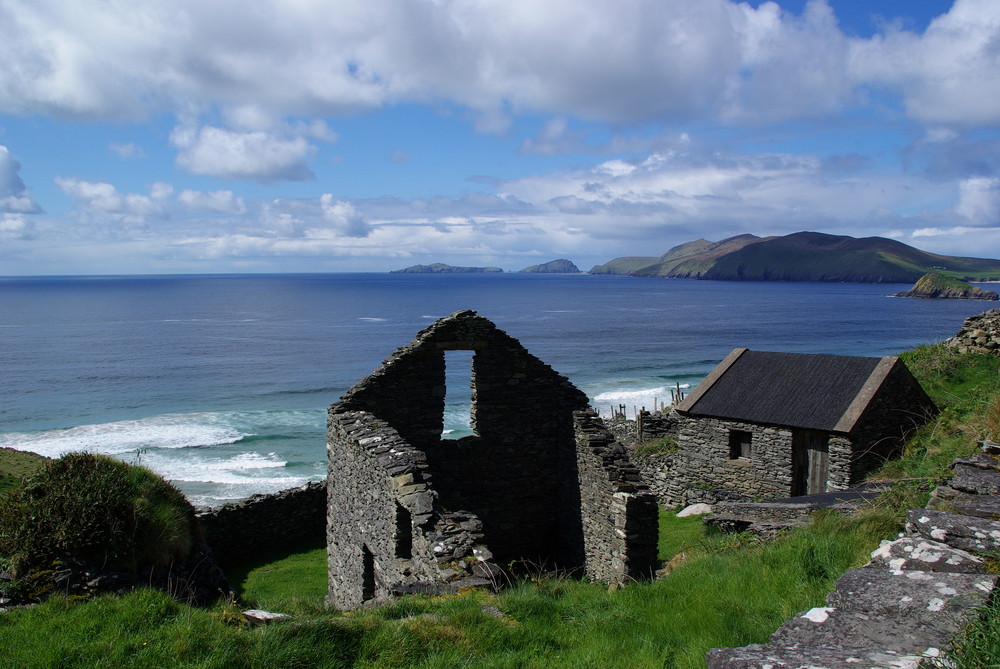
(739, 444)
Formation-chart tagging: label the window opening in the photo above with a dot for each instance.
(458, 394)
(739, 444)
(404, 532)
(368, 574)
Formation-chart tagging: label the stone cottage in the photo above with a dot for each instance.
(771, 425)
(540, 482)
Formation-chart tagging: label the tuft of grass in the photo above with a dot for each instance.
(966, 388)
(96, 508)
(664, 445)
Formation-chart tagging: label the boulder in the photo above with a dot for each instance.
(694, 510)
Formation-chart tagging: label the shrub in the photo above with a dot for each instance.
(98, 509)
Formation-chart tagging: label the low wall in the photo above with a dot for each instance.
(266, 522)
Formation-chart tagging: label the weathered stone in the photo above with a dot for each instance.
(261, 617)
(979, 474)
(945, 498)
(909, 634)
(919, 554)
(967, 533)
(891, 591)
(694, 510)
(777, 656)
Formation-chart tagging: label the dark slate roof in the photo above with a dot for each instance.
(791, 389)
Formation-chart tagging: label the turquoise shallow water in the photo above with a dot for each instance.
(221, 383)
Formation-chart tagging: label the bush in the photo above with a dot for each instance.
(98, 509)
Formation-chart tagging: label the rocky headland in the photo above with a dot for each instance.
(938, 286)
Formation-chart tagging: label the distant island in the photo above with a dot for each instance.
(802, 256)
(937, 285)
(441, 268)
(561, 266)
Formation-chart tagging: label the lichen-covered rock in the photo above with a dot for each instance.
(979, 474)
(892, 591)
(917, 554)
(946, 498)
(967, 533)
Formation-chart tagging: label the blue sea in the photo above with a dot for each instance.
(221, 383)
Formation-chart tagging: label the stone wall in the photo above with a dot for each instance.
(702, 462)
(534, 484)
(262, 522)
(979, 334)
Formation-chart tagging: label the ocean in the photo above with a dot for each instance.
(221, 383)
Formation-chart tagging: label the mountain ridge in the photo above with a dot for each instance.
(802, 256)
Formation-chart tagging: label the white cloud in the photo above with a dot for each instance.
(14, 198)
(222, 201)
(103, 199)
(343, 217)
(621, 61)
(255, 155)
(979, 200)
(15, 226)
(949, 74)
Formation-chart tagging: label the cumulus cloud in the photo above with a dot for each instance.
(343, 217)
(104, 200)
(948, 74)
(255, 155)
(14, 198)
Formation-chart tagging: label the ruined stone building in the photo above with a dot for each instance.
(771, 425)
(541, 480)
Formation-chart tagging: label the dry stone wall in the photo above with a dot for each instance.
(262, 522)
(979, 334)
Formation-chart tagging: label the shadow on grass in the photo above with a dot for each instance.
(238, 570)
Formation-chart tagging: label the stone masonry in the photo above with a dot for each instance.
(541, 482)
(979, 334)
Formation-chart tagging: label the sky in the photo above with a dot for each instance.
(218, 136)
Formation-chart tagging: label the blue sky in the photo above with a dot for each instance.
(369, 135)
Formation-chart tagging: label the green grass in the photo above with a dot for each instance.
(15, 465)
(730, 591)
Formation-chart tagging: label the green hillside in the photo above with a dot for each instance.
(806, 256)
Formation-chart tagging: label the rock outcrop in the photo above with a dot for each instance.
(979, 334)
(939, 286)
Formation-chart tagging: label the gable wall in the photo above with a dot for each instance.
(898, 408)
